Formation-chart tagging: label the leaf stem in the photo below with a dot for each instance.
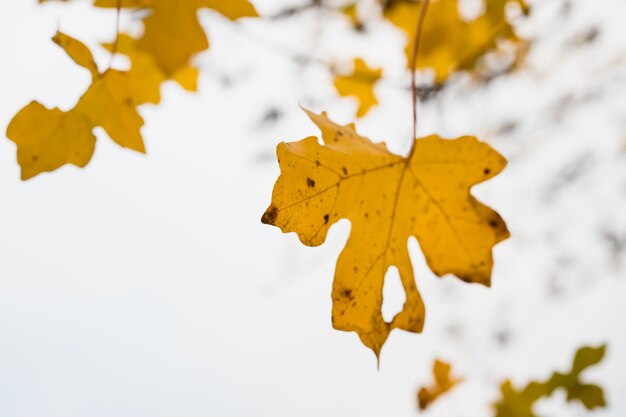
(416, 47)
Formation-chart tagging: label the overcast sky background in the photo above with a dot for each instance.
(146, 286)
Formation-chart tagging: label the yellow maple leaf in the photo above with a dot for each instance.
(173, 34)
(48, 139)
(360, 84)
(449, 42)
(443, 383)
(388, 199)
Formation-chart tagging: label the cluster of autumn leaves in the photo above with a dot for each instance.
(50, 138)
(388, 198)
(173, 35)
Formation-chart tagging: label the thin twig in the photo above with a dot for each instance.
(303, 58)
(117, 32)
(416, 47)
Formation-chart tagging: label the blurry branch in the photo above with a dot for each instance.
(424, 92)
(295, 10)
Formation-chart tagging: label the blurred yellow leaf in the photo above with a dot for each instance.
(48, 139)
(449, 42)
(388, 199)
(443, 383)
(173, 34)
(360, 84)
(519, 403)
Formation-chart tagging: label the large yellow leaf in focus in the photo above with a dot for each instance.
(48, 139)
(449, 43)
(388, 199)
(360, 84)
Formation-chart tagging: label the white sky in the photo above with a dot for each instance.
(146, 286)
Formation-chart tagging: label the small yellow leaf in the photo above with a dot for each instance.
(48, 139)
(519, 403)
(591, 396)
(443, 383)
(388, 199)
(360, 84)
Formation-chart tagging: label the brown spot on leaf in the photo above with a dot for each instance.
(310, 182)
(269, 217)
(326, 218)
